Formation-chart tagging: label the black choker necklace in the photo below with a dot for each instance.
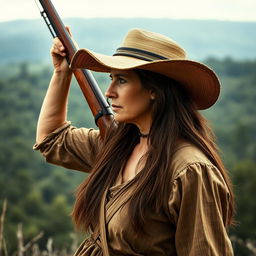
(142, 135)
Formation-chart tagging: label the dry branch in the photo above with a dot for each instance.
(32, 241)
(20, 240)
(3, 248)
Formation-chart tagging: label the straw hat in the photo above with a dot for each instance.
(154, 52)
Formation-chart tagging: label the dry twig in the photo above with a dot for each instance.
(3, 248)
(35, 250)
(20, 240)
(249, 244)
(32, 241)
(49, 246)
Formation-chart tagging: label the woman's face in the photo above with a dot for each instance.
(131, 103)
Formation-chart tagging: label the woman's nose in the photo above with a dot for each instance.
(110, 92)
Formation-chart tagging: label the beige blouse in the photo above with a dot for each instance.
(196, 219)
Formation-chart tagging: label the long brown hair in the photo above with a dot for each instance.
(174, 116)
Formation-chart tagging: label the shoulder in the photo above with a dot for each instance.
(185, 157)
(191, 169)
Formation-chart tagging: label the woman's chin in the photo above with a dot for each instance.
(121, 119)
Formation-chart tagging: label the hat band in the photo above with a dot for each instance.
(138, 54)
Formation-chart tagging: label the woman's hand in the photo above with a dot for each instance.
(58, 53)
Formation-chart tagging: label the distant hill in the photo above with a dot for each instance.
(30, 40)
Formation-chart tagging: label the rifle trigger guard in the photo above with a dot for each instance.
(100, 114)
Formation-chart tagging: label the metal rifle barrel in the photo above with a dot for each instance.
(99, 107)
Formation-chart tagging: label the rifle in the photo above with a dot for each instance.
(99, 106)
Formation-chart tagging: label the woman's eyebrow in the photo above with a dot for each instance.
(118, 75)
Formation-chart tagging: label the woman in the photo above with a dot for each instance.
(157, 185)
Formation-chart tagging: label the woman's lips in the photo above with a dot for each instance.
(115, 107)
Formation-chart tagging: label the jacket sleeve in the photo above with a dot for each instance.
(71, 147)
(198, 206)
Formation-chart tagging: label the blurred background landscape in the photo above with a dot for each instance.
(39, 195)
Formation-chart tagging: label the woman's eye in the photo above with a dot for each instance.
(121, 80)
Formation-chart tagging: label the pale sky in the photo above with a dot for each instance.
(236, 10)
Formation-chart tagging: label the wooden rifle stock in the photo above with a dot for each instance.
(91, 91)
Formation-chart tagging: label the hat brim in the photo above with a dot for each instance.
(199, 80)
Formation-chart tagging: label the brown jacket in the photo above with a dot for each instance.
(196, 220)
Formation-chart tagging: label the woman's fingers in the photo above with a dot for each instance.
(57, 47)
(71, 35)
(69, 30)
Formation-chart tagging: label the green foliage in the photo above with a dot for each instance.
(40, 196)
(233, 118)
(244, 182)
(233, 115)
(244, 179)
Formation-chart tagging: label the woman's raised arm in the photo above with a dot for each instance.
(53, 112)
